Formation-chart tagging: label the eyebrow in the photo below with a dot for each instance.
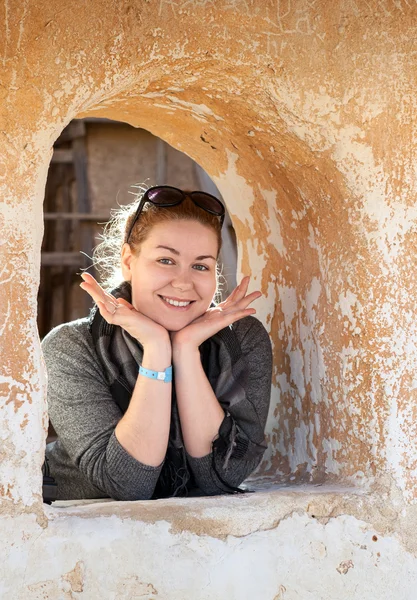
(202, 257)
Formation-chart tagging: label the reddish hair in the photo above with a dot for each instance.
(152, 215)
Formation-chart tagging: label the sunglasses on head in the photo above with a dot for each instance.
(166, 195)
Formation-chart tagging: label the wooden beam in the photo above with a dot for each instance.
(65, 216)
(161, 161)
(61, 259)
(62, 156)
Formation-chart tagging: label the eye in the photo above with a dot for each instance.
(201, 268)
(166, 261)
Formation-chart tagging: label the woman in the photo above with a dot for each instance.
(156, 394)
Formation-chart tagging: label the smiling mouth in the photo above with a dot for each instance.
(177, 304)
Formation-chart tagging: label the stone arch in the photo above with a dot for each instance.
(267, 207)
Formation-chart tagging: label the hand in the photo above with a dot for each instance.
(235, 307)
(118, 311)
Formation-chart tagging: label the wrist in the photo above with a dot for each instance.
(184, 350)
(165, 375)
(157, 356)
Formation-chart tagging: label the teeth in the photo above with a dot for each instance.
(175, 302)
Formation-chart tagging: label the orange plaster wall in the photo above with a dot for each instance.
(302, 115)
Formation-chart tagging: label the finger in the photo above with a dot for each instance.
(92, 287)
(109, 304)
(94, 284)
(248, 300)
(244, 302)
(97, 296)
(243, 288)
(230, 318)
(125, 303)
(107, 312)
(238, 307)
(228, 315)
(233, 296)
(88, 278)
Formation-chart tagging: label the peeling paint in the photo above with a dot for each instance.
(309, 114)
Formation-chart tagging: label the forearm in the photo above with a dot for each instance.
(238, 469)
(144, 429)
(199, 410)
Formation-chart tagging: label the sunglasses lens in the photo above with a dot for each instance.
(209, 203)
(164, 196)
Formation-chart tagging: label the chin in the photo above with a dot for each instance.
(174, 329)
(175, 325)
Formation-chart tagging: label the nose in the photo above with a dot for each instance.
(182, 282)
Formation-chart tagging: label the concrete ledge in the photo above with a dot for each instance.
(283, 543)
(223, 516)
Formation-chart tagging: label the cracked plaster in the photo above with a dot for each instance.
(303, 117)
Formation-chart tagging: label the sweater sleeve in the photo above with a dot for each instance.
(240, 444)
(84, 416)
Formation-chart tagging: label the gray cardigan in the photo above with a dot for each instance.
(87, 460)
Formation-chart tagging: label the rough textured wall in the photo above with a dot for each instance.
(302, 113)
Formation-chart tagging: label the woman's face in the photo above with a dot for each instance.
(174, 276)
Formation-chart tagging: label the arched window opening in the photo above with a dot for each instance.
(93, 160)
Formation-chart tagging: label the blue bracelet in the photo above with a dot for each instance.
(165, 376)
